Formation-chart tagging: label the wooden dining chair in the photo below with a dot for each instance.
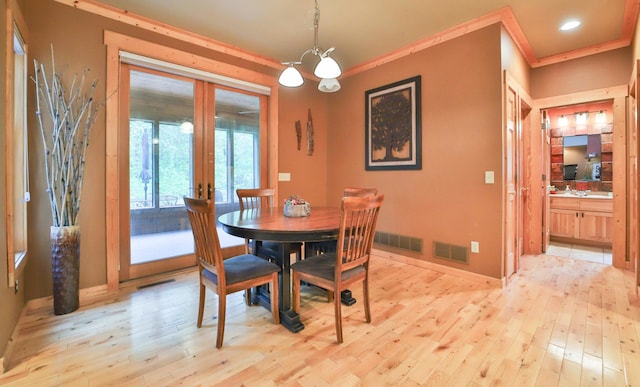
(225, 276)
(315, 248)
(350, 263)
(359, 192)
(255, 198)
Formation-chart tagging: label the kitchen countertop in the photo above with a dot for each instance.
(589, 196)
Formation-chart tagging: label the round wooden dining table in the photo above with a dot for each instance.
(271, 224)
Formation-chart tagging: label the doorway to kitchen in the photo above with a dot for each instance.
(581, 180)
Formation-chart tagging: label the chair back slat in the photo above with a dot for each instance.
(254, 198)
(357, 228)
(205, 235)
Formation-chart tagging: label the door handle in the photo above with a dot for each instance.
(209, 191)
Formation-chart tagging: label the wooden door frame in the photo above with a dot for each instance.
(511, 185)
(521, 154)
(633, 174)
(525, 174)
(115, 43)
(617, 94)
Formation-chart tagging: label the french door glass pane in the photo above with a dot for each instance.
(140, 171)
(237, 151)
(161, 163)
(223, 190)
(175, 165)
(246, 173)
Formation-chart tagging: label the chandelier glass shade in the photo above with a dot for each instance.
(327, 68)
(291, 77)
(329, 85)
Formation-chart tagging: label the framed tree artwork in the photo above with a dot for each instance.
(392, 126)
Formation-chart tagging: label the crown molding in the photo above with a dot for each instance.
(148, 24)
(504, 16)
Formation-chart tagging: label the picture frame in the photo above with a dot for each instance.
(393, 126)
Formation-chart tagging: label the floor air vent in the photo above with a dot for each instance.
(156, 284)
(399, 241)
(451, 252)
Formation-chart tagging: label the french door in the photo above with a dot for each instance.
(185, 137)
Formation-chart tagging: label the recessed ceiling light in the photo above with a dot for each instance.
(570, 25)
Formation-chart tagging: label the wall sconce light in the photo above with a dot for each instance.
(563, 121)
(581, 118)
(601, 117)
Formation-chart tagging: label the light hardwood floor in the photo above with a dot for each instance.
(559, 322)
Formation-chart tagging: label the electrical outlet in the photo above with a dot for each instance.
(16, 287)
(475, 247)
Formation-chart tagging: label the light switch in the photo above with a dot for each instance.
(284, 177)
(475, 247)
(488, 177)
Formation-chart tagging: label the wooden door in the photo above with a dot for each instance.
(633, 150)
(162, 166)
(524, 177)
(183, 137)
(511, 169)
(546, 160)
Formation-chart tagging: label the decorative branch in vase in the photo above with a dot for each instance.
(65, 118)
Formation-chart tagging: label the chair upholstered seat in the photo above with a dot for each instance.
(324, 266)
(242, 268)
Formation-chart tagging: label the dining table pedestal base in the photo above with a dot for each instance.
(288, 318)
(291, 320)
(320, 227)
(346, 298)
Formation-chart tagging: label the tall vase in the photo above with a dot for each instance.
(65, 265)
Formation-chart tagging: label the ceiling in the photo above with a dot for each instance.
(363, 30)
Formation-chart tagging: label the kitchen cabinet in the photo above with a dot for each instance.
(581, 219)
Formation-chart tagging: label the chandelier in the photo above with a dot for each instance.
(327, 69)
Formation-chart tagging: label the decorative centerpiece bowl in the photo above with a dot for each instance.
(295, 207)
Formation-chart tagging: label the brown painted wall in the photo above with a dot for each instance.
(308, 172)
(514, 62)
(611, 68)
(461, 138)
(80, 43)
(11, 303)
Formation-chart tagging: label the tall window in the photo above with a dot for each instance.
(17, 155)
